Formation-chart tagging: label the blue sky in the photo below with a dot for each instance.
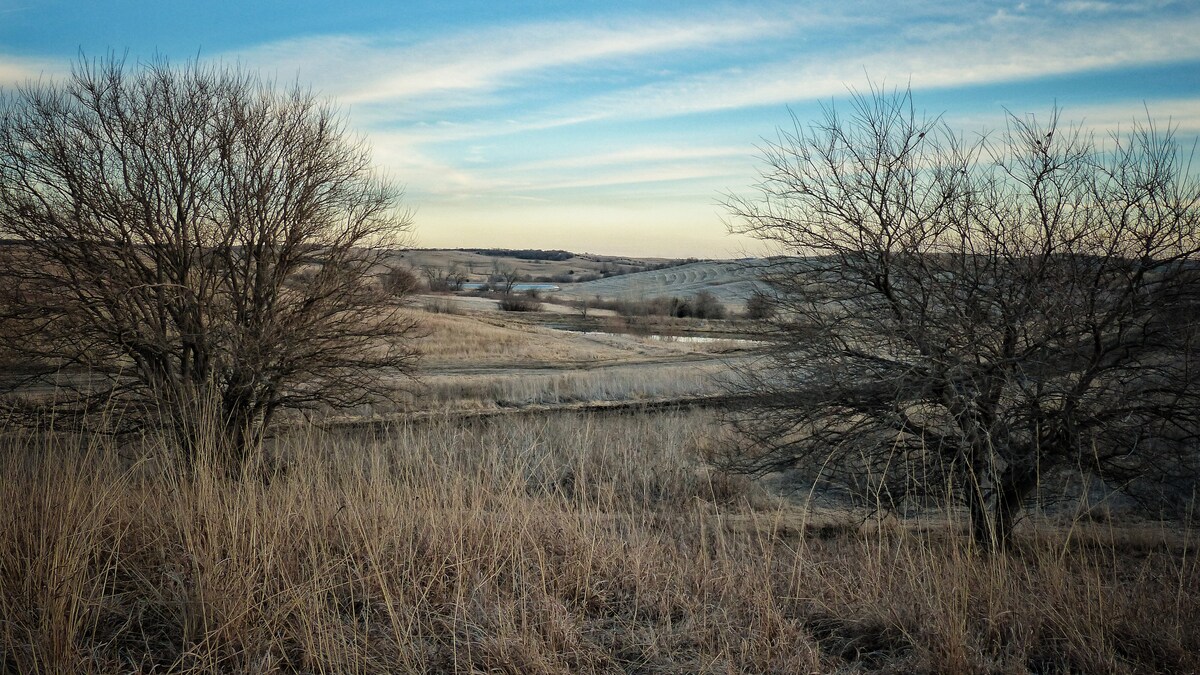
(615, 127)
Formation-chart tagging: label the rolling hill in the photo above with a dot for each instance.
(732, 281)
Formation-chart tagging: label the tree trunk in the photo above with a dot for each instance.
(978, 483)
(982, 518)
(994, 516)
(1014, 487)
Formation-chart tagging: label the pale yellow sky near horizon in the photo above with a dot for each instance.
(659, 233)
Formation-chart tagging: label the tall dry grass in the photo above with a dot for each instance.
(483, 340)
(549, 386)
(556, 544)
(489, 339)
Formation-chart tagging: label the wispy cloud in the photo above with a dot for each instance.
(953, 51)
(639, 154)
(381, 68)
(1181, 115)
(638, 176)
(641, 165)
(971, 59)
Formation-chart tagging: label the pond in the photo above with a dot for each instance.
(693, 339)
(518, 287)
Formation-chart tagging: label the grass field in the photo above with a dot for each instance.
(548, 544)
(731, 282)
(544, 542)
(480, 361)
(478, 266)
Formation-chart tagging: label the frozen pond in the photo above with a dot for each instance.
(518, 287)
(694, 339)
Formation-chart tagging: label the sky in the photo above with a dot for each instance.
(618, 127)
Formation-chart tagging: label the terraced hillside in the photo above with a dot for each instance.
(733, 282)
(477, 266)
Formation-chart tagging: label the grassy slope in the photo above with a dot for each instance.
(732, 283)
(478, 266)
(540, 545)
(487, 361)
(549, 543)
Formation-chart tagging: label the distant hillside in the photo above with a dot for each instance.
(531, 264)
(733, 282)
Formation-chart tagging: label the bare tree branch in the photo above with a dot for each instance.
(196, 242)
(956, 320)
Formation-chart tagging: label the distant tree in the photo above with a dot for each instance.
(759, 306)
(440, 279)
(503, 277)
(435, 278)
(678, 307)
(456, 278)
(200, 246)
(960, 321)
(400, 281)
(523, 254)
(705, 305)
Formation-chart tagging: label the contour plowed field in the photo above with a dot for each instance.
(732, 282)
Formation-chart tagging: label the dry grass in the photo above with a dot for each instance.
(539, 387)
(483, 340)
(493, 339)
(482, 362)
(557, 544)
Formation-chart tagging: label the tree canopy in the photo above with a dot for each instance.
(958, 321)
(193, 243)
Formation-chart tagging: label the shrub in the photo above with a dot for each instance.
(516, 303)
(759, 307)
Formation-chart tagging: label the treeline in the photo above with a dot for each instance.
(702, 305)
(521, 254)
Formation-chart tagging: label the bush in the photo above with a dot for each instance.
(759, 307)
(400, 281)
(515, 303)
(441, 306)
(706, 306)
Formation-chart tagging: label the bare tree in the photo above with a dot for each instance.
(456, 278)
(200, 244)
(956, 321)
(508, 278)
(435, 278)
(759, 306)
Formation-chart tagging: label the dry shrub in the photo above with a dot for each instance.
(436, 304)
(516, 303)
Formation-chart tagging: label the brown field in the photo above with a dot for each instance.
(545, 542)
(480, 360)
